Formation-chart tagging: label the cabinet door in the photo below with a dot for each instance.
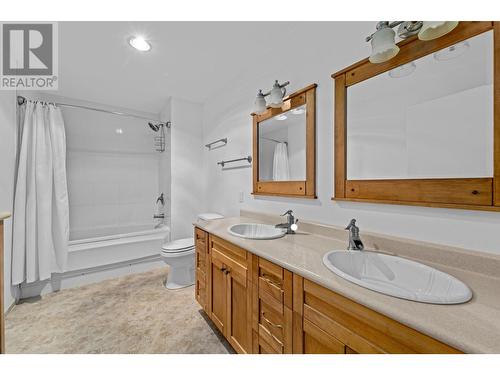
(239, 311)
(218, 291)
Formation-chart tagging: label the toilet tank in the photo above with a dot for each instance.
(209, 216)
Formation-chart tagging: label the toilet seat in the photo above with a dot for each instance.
(182, 245)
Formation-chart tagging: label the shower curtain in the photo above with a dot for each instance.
(41, 214)
(281, 169)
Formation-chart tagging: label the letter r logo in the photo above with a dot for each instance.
(27, 49)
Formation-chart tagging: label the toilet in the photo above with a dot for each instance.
(179, 255)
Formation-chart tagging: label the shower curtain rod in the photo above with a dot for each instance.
(274, 140)
(21, 100)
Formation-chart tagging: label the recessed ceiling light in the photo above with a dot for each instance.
(298, 111)
(119, 131)
(452, 52)
(139, 43)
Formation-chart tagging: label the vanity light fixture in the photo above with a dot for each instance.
(139, 43)
(383, 42)
(276, 95)
(452, 52)
(435, 29)
(403, 70)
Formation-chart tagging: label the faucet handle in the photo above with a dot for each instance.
(289, 212)
(352, 224)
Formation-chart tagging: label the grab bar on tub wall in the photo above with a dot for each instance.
(223, 162)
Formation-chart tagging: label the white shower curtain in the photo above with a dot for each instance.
(281, 169)
(41, 214)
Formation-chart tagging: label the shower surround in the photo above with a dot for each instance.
(114, 175)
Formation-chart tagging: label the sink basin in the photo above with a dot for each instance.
(397, 277)
(256, 231)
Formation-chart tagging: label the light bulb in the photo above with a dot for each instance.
(139, 43)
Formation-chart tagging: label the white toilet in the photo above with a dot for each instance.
(179, 255)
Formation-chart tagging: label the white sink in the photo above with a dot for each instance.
(397, 277)
(256, 231)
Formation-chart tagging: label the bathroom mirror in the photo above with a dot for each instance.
(420, 128)
(284, 147)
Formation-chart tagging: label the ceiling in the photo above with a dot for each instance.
(189, 60)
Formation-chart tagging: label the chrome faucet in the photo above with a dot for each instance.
(354, 240)
(290, 224)
(161, 199)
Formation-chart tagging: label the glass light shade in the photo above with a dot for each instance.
(260, 105)
(403, 70)
(276, 96)
(435, 29)
(383, 46)
(452, 52)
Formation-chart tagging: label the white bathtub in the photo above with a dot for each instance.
(111, 252)
(109, 247)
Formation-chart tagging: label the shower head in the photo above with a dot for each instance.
(155, 127)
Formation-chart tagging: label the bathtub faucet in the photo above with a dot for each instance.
(161, 199)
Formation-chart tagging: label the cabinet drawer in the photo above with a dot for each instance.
(317, 341)
(233, 257)
(201, 261)
(274, 281)
(273, 321)
(268, 342)
(201, 289)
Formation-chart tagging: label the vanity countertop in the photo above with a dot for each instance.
(4, 215)
(472, 327)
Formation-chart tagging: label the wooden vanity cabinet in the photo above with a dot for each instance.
(263, 308)
(230, 292)
(330, 323)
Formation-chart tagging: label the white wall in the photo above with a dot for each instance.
(227, 114)
(7, 165)
(187, 154)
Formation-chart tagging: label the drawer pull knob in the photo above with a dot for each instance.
(269, 322)
(267, 279)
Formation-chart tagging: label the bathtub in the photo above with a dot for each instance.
(96, 255)
(110, 246)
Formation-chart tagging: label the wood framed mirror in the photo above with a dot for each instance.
(422, 128)
(284, 147)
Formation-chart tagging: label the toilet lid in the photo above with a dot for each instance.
(184, 244)
(209, 216)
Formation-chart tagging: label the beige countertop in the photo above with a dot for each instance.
(473, 327)
(4, 215)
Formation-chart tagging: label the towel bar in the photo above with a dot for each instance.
(223, 162)
(209, 145)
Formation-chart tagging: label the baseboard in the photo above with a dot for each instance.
(87, 276)
(9, 309)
